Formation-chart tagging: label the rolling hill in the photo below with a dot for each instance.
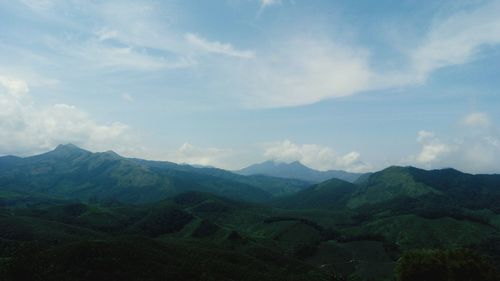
(63, 210)
(403, 188)
(330, 194)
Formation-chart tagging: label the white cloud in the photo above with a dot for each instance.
(424, 135)
(26, 128)
(304, 71)
(217, 47)
(476, 120)
(141, 25)
(14, 87)
(307, 70)
(211, 156)
(457, 39)
(95, 54)
(476, 151)
(127, 97)
(315, 156)
(433, 150)
(38, 5)
(266, 3)
(288, 71)
(123, 35)
(350, 160)
(123, 58)
(106, 34)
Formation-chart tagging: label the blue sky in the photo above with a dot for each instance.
(353, 85)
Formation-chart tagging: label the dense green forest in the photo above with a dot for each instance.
(70, 214)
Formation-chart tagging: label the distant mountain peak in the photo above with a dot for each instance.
(68, 146)
(271, 162)
(64, 150)
(297, 163)
(395, 168)
(283, 163)
(112, 154)
(295, 170)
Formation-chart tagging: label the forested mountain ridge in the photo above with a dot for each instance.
(69, 172)
(62, 209)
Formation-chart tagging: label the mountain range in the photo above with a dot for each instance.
(296, 170)
(69, 172)
(70, 214)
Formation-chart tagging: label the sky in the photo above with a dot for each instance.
(351, 85)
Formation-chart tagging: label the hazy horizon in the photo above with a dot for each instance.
(354, 86)
(275, 161)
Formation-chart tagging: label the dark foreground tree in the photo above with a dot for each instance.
(445, 265)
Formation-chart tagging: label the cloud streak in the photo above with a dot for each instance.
(308, 69)
(266, 3)
(216, 47)
(476, 120)
(457, 39)
(292, 70)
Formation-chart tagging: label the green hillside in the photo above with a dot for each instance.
(70, 214)
(403, 208)
(331, 194)
(69, 172)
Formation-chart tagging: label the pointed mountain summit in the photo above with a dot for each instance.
(72, 151)
(66, 151)
(296, 170)
(111, 155)
(69, 148)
